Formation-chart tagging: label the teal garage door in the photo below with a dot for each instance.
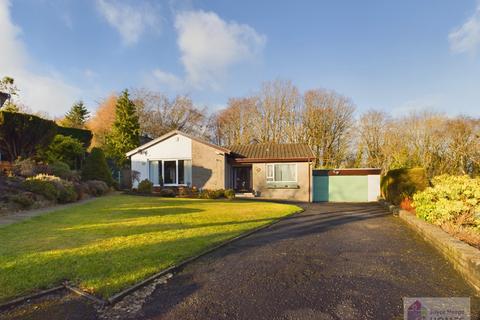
(340, 188)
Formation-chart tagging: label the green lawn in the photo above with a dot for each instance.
(113, 242)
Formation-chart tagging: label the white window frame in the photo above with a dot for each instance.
(272, 165)
(161, 169)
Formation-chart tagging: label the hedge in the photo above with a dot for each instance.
(399, 184)
(83, 135)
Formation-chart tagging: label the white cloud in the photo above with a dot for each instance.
(466, 38)
(40, 92)
(209, 46)
(131, 21)
(169, 79)
(421, 104)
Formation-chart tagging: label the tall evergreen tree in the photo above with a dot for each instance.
(76, 116)
(125, 134)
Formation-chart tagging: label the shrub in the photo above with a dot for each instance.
(451, 199)
(145, 186)
(62, 170)
(210, 194)
(399, 184)
(96, 167)
(168, 193)
(25, 167)
(82, 135)
(23, 200)
(44, 188)
(81, 189)
(23, 135)
(63, 190)
(96, 187)
(65, 149)
(230, 194)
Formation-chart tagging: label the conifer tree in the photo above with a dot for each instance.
(76, 116)
(125, 134)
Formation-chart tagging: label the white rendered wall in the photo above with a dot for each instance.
(175, 147)
(373, 187)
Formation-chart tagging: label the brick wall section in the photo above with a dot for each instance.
(465, 258)
(208, 167)
(299, 194)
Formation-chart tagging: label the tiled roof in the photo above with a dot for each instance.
(272, 151)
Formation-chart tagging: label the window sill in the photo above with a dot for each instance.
(283, 186)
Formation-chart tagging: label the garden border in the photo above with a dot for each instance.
(464, 258)
(172, 269)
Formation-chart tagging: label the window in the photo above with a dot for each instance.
(170, 172)
(155, 171)
(281, 172)
(181, 172)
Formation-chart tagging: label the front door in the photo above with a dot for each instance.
(242, 179)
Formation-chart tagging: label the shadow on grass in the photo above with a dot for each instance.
(103, 272)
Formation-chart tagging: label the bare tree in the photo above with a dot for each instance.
(278, 112)
(158, 114)
(327, 119)
(236, 124)
(463, 142)
(373, 127)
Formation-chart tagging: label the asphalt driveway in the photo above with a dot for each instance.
(334, 261)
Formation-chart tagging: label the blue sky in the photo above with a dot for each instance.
(391, 55)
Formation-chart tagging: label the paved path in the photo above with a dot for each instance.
(334, 261)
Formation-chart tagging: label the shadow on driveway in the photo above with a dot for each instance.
(334, 261)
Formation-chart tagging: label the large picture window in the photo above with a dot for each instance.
(170, 172)
(282, 172)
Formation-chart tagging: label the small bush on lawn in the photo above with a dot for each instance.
(96, 187)
(145, 186)
(230, 194)
(168, 193)
(185, 192)
(454, 199)
(210, 194)
(399, 184)
(96, 167)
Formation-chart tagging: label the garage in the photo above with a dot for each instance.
(346, 185)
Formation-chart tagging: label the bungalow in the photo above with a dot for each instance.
(277, 171)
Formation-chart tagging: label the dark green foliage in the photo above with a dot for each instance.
(23, 200)
(230, 194)
(83, 135)
(66, 193)
(167, 193)
(96, 187)
(62, 170)
(96, 167)
(44, 188)
(22, 135)
(65, 149)
(76, 116)
(145, 186)
(125, 134)
(399, 184)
